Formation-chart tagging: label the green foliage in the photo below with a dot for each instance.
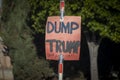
(99, 16)
(102, 16)
(18, 37)
(31, 69)
(40, 11)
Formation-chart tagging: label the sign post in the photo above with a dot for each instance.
(63, 38)
(61, 58)
(60, 67)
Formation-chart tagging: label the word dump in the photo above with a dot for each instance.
(68, 28)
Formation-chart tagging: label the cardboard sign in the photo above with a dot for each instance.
(63, 38)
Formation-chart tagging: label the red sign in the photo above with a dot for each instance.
(63, 38)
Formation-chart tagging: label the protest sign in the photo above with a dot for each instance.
(63, 37)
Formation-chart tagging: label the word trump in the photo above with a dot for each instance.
(64, 46)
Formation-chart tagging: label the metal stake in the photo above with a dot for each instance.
(62, 4)
(60, 67)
